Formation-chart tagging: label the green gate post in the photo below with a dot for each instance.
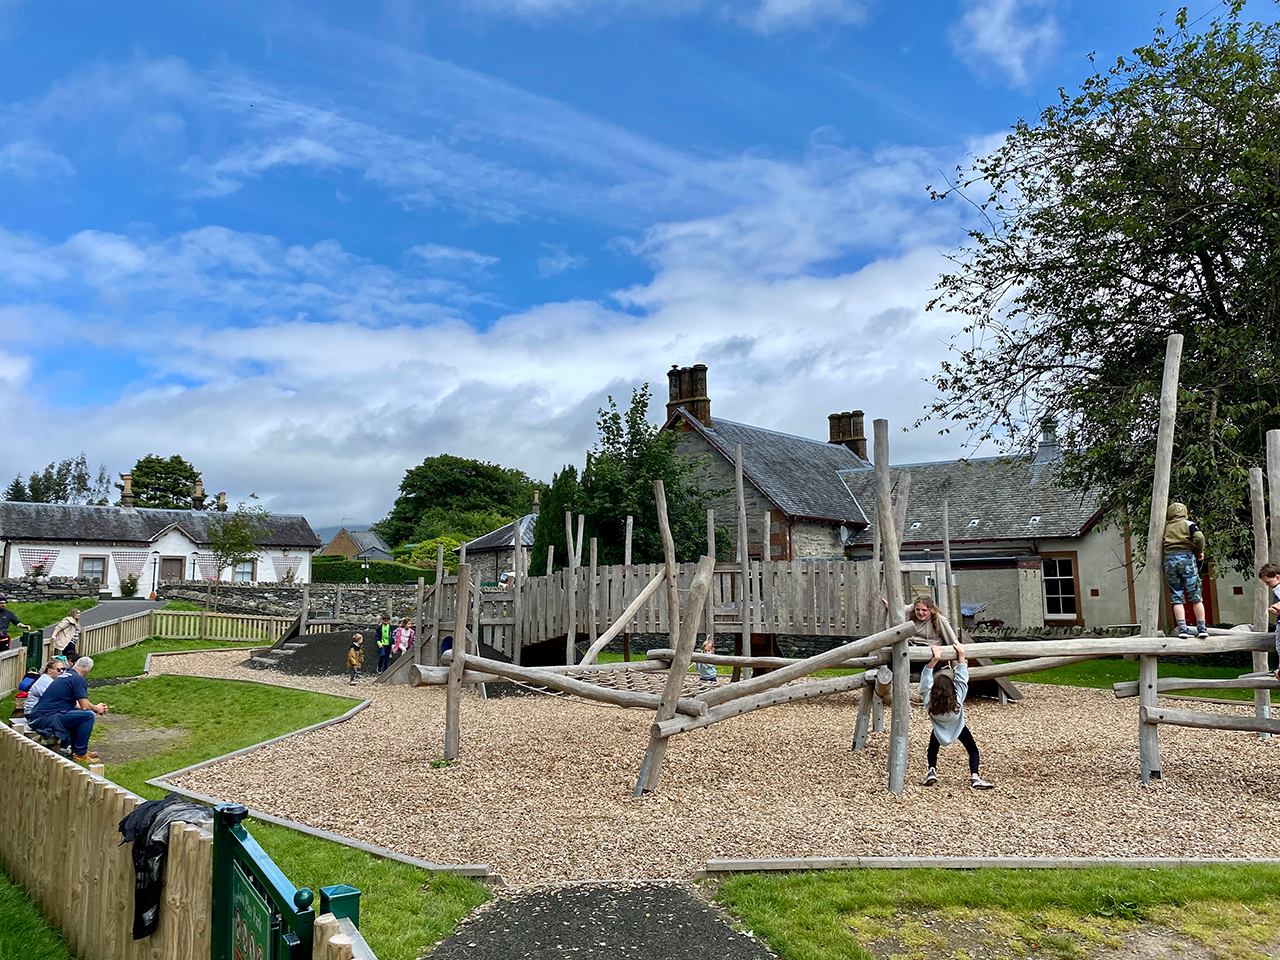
(277, 920)
(342, 900)
(33, 640)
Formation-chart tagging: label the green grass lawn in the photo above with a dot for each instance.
(1103, 673)
(130, 661)
(23, 932)
(183, 605)
(835, 914)
(402, 908)
(49, 611)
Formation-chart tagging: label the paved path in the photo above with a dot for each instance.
(597, 921)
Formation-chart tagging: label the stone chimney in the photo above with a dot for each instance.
(536, 505)
(222, 502)
(688, 389)
(126, 491)
(848, 429)
(197, 495)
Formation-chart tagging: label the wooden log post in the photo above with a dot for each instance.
(744, 595)
(571, 589)
(627, 578)
(953, 600)
(517, 601)
(632, 609)
(302, 617)
(672, 568)
(893, 590)
(651, 767)
(418, 601)
(711, 597)
(1273, 484)
(1261, 592)
(593, 597)
(453, 698)
(577, 541)
(1149, 733)
(433, 656)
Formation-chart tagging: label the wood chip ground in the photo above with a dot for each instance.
(542, 791)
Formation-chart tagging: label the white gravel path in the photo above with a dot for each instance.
(542, 791)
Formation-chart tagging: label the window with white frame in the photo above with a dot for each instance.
(1060, 588)
(244, 572)
(94, 568)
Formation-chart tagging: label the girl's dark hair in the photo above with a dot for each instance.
(942, 698)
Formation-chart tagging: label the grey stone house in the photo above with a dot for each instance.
(1028, 552)
(494, 554)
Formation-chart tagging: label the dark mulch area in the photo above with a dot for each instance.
(325, 655)
(653, 921)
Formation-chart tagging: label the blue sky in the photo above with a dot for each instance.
(307, 245)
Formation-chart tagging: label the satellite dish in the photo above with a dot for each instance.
(845, 535)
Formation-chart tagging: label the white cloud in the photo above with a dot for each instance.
(32, 160)
(763, 16)
(1009, 37)
(437, 254)
(558, 260)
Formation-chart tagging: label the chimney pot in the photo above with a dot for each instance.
(126, 491)
(537, 506)
(222, 502)
(847, 428)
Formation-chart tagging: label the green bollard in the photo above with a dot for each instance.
(342, 900)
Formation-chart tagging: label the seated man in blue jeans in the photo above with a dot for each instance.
(66, 713)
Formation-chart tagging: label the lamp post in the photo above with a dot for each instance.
(155, 572)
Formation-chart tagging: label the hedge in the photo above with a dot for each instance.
(339, 570)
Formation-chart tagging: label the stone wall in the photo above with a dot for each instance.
(31, 590)
(353, 605)
(713, 472)
(798, 647)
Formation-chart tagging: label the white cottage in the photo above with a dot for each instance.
(111, 544)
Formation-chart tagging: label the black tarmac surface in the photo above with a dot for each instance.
(599, 921)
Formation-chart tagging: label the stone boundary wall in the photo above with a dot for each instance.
(353, 605)
(32, 590)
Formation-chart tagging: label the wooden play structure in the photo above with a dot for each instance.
(757, 600)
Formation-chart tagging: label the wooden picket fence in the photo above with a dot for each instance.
(13, 667)
(60, 841)
(173, 625)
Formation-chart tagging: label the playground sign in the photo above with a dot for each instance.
(252, 918)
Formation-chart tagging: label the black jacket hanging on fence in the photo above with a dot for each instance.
(148, 829)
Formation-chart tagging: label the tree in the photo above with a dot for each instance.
(164, 484)
(629, 455)
(234, 538)
(443, 487)
(1146, 203)
(17, 491)
(548, 530)
(65, 481)
(424, 554)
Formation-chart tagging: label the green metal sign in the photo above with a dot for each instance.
(251, 930)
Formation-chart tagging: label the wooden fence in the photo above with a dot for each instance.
(60, 841)
(804, 597)
(13, 667)
(171, 625)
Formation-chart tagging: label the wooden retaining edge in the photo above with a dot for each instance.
(146, 666)
(1129, 688)
(477, 870)
(716, 867)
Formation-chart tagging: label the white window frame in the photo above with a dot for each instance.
(1057, 558)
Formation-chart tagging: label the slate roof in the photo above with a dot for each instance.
(368, 540)
(71, 522)
(799, 475)
(1002, 495)
(501, 538)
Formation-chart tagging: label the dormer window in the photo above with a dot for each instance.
(1035, 519)
(916, 525)
(974, 522)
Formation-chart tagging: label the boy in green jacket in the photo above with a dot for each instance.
(1183, 549)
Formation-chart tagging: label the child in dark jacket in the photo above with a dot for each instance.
(355, 656)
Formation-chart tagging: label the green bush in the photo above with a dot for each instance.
(339, 570)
